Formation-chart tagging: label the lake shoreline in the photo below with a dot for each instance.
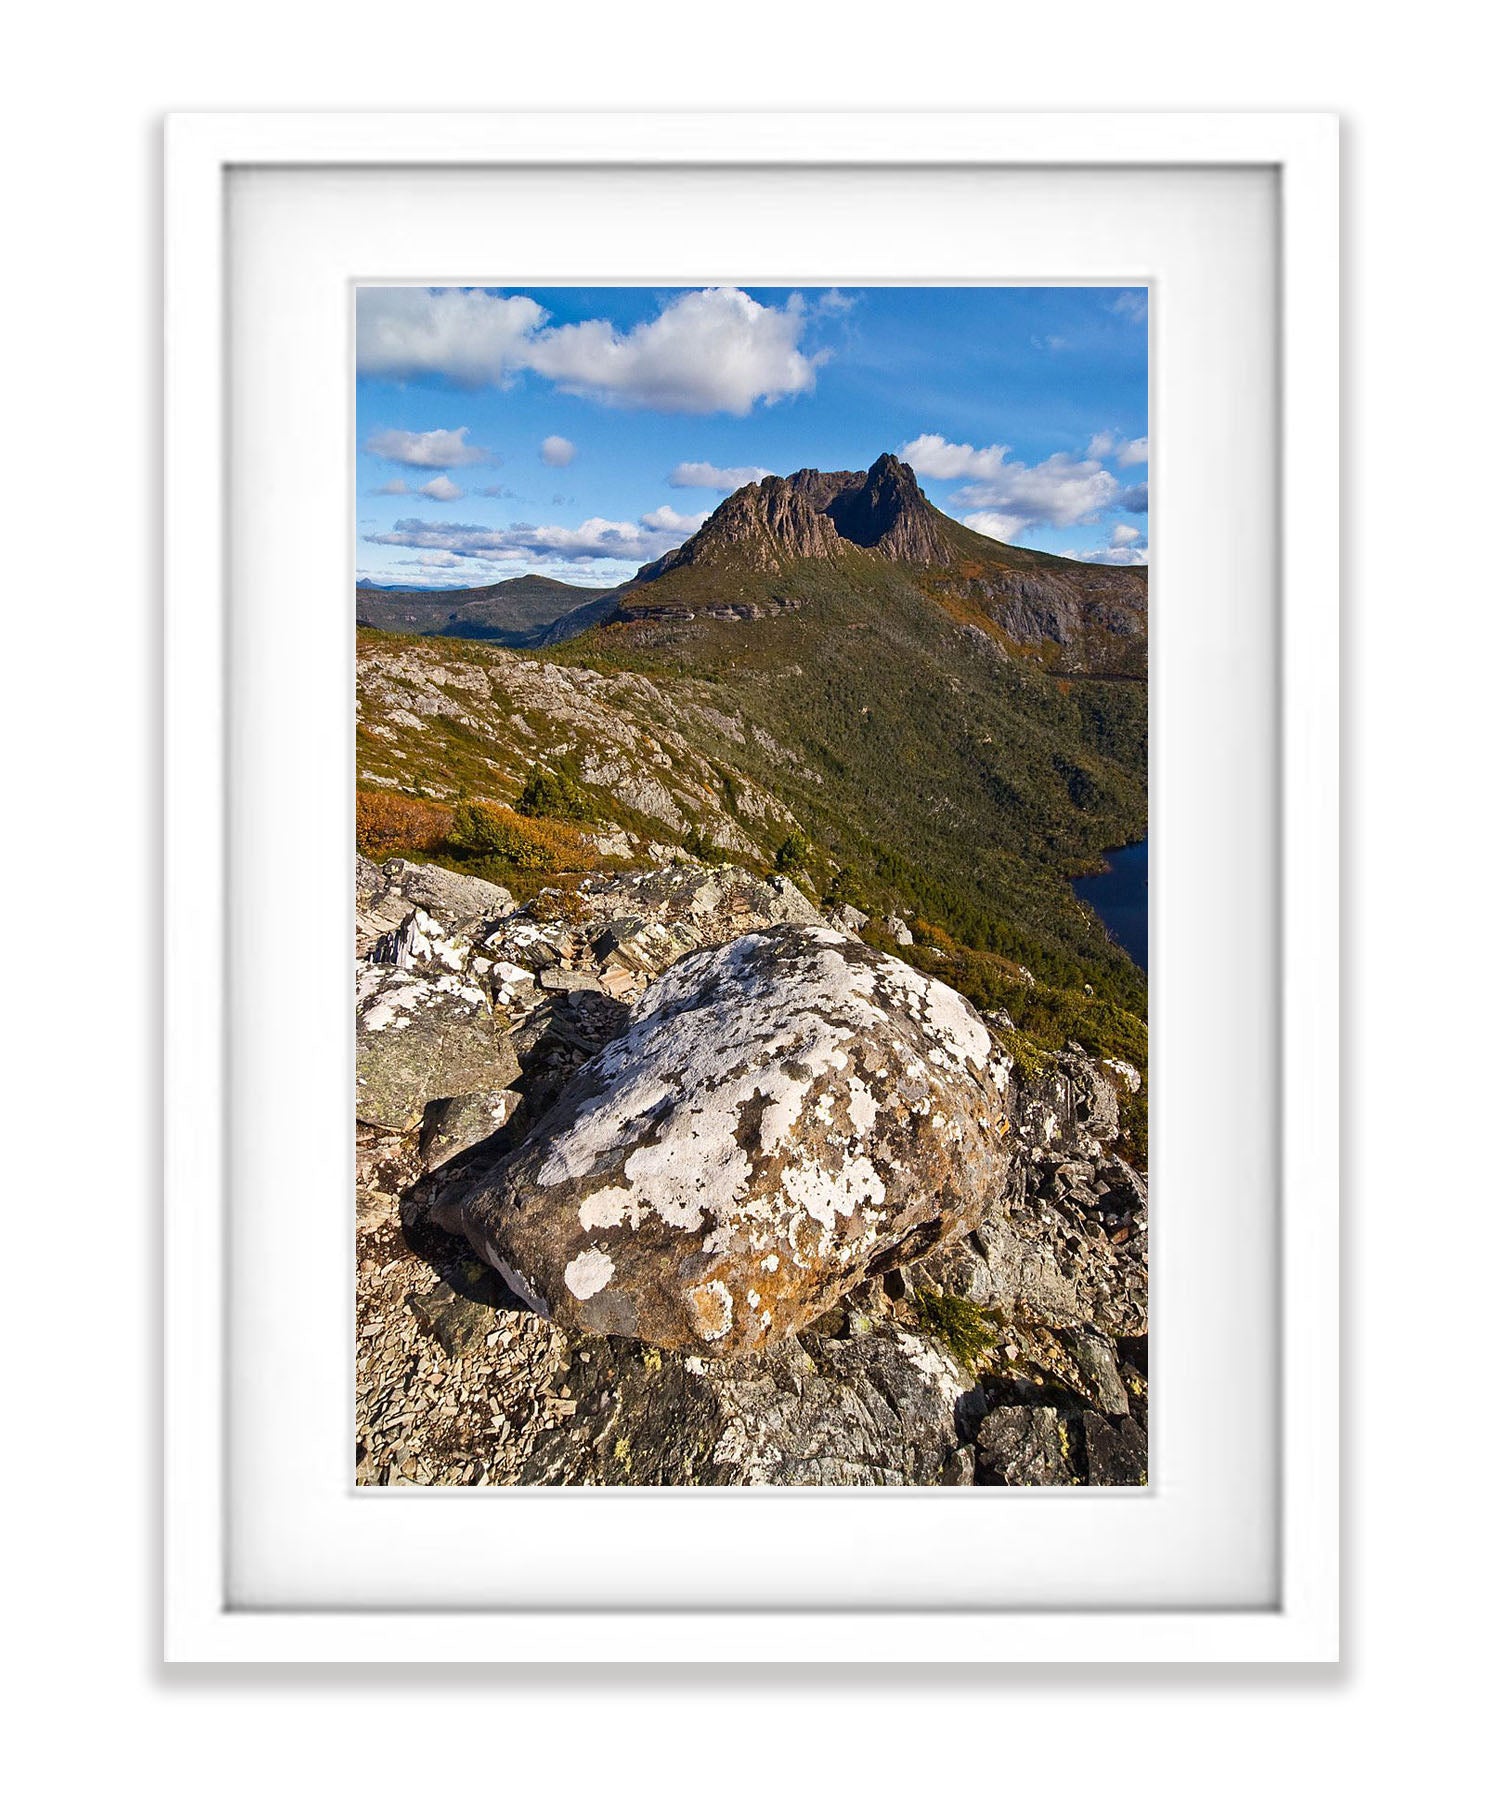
(1117, 895)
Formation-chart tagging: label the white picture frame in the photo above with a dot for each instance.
(203, 1619)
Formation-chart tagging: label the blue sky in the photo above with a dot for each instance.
(578, 432)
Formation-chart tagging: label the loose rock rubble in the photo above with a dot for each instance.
(1023, 1215)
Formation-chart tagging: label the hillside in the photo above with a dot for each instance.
(526, 611)
(854, 528)
(938, 743)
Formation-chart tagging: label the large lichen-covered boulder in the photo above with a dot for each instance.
(783, 1116)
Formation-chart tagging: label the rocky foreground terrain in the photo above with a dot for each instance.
(670, 1178)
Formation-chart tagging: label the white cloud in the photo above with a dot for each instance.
(558, 452)
(1123, 535)
(471, 337)
(1007, 527)
(1131, 305)
(1010, 497)
(709, 475)
(441, 488)
(1126, 454)
(667, 518)
(716, 350)
(426, 449)
(394, 486)
(711, 350)
(1128, 555)
(1059, 491)
(935, 456)
(597, 540)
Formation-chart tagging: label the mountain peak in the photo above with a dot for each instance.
(818, 514)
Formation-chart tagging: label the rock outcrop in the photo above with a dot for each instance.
(782, 1118)
(979, 1317)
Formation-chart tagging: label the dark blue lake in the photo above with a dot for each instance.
(1119, 898)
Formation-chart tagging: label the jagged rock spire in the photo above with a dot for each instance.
(818, 514)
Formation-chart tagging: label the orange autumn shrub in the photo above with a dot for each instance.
(483, 832)
(387, 824)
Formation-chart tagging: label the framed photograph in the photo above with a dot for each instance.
(680, 631)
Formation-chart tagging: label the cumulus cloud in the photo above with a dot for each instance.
(1126, 453)
(441, 488)
(1128, 555)
(1060, 491)
(470, 337)
(933, 455)
(1123, 535)
(709, 475)
(394, 486)
(1007, 527)
(558, 452)
(426, 449)
(667, 518)
(1010, 497)
(710, 350)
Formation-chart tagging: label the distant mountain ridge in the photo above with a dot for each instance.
(772, 543)
(523, 612)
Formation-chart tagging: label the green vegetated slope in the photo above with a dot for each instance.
(929, 767)
(948, 739)
(517, 612)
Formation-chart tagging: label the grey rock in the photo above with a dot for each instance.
(783, 1117)
(570, 981)
(961, 1468)
(1023, 1446)
(456, 900)
(875, 1411)
(451, 1126)
(461, 1320)
(1099, 1373)
(1114, 1452)
(1071, 1108)
(848, 918)
(419, 1039)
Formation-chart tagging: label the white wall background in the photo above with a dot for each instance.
(80, 445)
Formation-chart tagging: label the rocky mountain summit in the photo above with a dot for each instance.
(665, 1177)
(787, 541)
(816, 514)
